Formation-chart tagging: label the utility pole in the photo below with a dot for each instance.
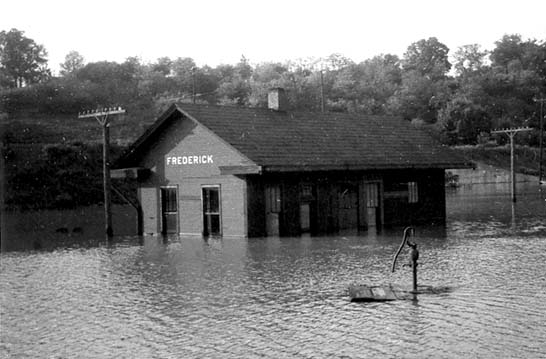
(193, 84)
(101, 115)
(511, 132)
(321, 91)
(541, 120)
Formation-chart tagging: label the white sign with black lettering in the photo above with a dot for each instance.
(189, 160)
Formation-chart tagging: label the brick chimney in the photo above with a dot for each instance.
(276, 99)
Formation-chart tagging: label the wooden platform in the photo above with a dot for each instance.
(385, 293)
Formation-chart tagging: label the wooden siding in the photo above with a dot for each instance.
(183, 138)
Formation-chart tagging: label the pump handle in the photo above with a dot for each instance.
(407, 232)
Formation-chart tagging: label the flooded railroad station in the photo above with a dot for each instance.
(186, 296)
(255, 235)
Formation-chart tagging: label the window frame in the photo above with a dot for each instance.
(274, 200)
(207, 214)
(413, 192)
(164, 206)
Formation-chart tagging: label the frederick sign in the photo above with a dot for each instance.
(189, 160)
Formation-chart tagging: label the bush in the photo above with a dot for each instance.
(463, 122)
(61, 176)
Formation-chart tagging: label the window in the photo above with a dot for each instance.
(413, 196)
(168, 199)
(372, 194)
(169, 209)
(273, 199)
(211, 211)
(306, 192)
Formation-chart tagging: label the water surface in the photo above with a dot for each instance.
(287, 297)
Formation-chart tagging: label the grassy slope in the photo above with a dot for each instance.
(66, 129)
(526, 158)
(26, 168)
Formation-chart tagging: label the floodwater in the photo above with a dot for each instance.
(287, 297)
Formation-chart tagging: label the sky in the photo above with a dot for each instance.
(214, 32)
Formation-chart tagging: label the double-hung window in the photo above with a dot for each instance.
(212, 219)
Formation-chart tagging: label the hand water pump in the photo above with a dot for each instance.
(409, 231)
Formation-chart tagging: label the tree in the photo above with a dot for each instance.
(462, 121)
(333, 62)
(375, 80)
(163, 66)
(110, 83)
(183, 69)
(509, 49)
(425, 86)
(206, 84)
(156, 80)
(22, 61)
(517, 74)
(469, 59)
(429, 58)
(73, 61)
(234, 86)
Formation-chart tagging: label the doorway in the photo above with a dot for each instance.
(373, 210)
(348, 206)
(305, 217)
(272, 209)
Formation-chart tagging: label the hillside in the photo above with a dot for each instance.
(526, 158)
(48, 129)
(55, 161)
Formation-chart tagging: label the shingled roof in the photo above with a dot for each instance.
(288, 141)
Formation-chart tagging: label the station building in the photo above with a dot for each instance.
(233, 171)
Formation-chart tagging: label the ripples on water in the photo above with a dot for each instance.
(189, 297)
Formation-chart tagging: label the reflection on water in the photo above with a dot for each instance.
(488, 209)
(287, 297)
(49, 229)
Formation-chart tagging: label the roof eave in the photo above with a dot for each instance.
(358, 167)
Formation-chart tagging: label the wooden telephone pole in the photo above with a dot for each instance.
(511, 132)
(321, 92)
(541, 100)
(101, 115)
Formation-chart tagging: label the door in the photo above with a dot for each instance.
(307, 207)
(169, 210)
(348, 206)
(272, 209)
(305, 217)
(373, 204)
(212, 218)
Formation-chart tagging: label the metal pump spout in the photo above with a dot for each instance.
(409, 231)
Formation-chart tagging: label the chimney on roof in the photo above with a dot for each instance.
(276, 99)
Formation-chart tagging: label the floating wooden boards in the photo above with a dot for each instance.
(385, 293)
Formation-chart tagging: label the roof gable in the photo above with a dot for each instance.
(175, 135)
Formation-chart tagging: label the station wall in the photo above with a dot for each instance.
(186, 156)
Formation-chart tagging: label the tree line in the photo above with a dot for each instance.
(461, 96)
